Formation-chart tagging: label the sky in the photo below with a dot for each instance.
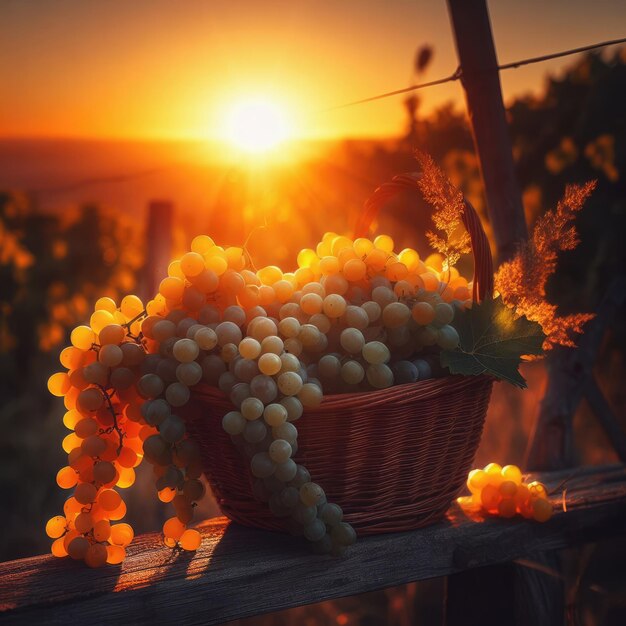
(174, 68)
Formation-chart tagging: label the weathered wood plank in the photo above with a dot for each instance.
(240, 572)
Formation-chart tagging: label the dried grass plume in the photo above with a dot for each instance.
(449, 204)
(522, 280)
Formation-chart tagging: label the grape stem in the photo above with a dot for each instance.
(116, 427)
(136, 338)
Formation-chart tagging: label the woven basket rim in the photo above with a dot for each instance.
(426, 389)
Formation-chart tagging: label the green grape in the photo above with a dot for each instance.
(352, 340)
(375, 352)
(352, 372)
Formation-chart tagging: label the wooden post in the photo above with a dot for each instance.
(570, 379)
(481, 81)
(158, 245)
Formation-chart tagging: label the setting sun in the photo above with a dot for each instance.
(257, 125)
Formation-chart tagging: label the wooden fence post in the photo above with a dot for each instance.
(158, 245)
(481, 82)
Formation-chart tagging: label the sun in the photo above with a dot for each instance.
(257, 125)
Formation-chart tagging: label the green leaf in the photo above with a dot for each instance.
(493, 341)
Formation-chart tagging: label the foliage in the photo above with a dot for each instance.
(493, 341)
(522, 280)
(50, 269)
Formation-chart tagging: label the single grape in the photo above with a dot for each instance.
(269, 364)
(294, 408)
(275, 414)
(404, 372)
(264, 388)
(185, 350)
(424, 369)
(262, 465)
(334, 306)
(343, 534)
(352, 372)
(280, 451)
(315, 531)
(189, 374)
(395, 314)
(331, 514)
(285, 430)
(447, 338)
(352, 340)
(380, 376)
(310, 395)
(251, 409)
(289, 383)
(311, 494)
(375, 352)
(254, 431)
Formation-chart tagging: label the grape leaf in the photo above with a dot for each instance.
(493, 341)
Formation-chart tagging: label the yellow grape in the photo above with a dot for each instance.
(173, 528)
(83, 522)
(384, 242)
(83, 337)
(542, 510)
(105, 304)
(85, 493)
(115, 554)
(423, 313)
(191, 264)
(58, 548)
(102, 530)
(306, 257)
(121, 535)
(96, 555)
(512, 472)
(508, 489)
(190, 540)
(56, 526)
(77, 548)
(112, 334)
(507, 507)
(100, 319)
(202, 244)
(59, 384)
(476, 480)
(172, 288)
(490, 497)
(537, 489)
(71, 358)
(109, 499)
(67, 477)
(126, 477)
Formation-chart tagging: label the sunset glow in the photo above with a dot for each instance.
(256, 125)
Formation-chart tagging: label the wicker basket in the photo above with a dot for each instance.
(392, 459)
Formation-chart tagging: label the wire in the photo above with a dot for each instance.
(556, 55)
(454, 76)
(458, 74)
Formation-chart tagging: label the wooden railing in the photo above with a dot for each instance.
(240, 572)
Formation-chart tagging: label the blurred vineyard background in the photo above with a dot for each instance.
(73, 218)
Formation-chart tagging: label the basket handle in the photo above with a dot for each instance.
(483, 262)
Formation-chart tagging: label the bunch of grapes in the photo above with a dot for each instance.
(502, 491)
(353, 317)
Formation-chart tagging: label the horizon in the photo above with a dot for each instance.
(155, 70)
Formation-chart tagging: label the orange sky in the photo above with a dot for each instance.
(157, 68)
